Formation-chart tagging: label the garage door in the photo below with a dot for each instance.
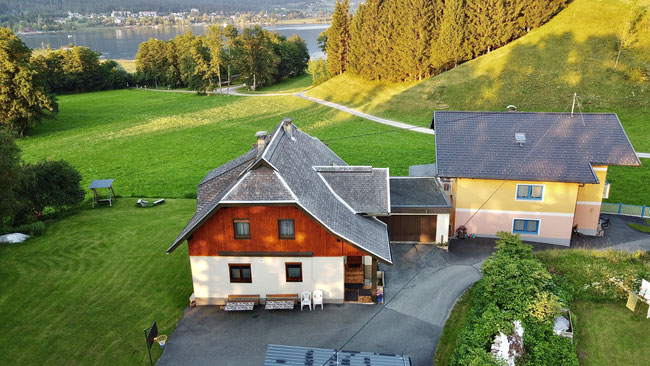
(418, 228)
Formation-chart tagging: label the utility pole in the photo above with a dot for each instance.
(574, 102)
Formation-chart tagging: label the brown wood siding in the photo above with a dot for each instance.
(417, 228)
(217, 234)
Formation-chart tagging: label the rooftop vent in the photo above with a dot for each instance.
(520, 138)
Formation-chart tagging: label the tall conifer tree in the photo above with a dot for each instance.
(357, 55)
(452, 31)
(338, 38)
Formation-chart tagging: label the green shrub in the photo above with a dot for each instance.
(516, 286)
(36, 228)
(545, 307)
(53, 184)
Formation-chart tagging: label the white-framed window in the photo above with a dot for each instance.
(525, 226)
(529, 192)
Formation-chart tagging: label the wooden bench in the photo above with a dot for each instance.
(242, 302)
(281, 301)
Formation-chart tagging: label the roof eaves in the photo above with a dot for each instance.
(620, 125)
(388, 189)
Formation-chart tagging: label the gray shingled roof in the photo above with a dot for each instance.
(293, 158)
(364, 188)
(261, 184)
(218, 179)
(559, 147)
(416, 192)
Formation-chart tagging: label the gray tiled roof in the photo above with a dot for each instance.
(364, 188)
(294, 158)
(261, 184)
(416, 192)
(218, 179)
(559, 147)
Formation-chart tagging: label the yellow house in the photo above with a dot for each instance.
(534, 174)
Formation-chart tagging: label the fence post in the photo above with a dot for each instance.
(643, 211)
(620, 206)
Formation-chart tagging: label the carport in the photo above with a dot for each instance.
(419, 211)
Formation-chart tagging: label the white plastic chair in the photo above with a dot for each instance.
(305, 299)
(317, 298)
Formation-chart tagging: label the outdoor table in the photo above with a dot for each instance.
(280, 304)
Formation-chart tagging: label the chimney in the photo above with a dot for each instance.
(287, 125)
(261, 140)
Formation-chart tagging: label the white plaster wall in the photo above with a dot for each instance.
(212, 280)
(442, 228)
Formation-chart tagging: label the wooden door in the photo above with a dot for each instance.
(412, 228)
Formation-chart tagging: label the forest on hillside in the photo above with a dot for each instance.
(398, 40)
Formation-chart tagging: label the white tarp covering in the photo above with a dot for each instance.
(13, 238)
(508, 349)
(560, 324)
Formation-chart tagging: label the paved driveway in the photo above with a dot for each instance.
(422, 286)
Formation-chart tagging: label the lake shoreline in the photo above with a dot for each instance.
(296, 22)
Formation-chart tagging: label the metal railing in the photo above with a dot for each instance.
(627, 210)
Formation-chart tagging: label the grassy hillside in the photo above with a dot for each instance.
(82, 293)
(159, 144)
(574, 52)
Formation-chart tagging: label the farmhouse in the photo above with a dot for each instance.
(290, 216)
(535, 174)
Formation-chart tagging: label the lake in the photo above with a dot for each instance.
(122, 43)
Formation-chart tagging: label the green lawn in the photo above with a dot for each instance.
(574, 52)
(82, 293)
(452, 329)
(162, 144)
(292, 85)
(645, 228)
(610, 334)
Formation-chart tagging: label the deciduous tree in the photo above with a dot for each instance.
(24, 100)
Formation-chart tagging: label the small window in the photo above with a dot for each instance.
(242, 229)
(529, 192)
(240, 273)
(525, 227)
(294, 272)
(286, 230)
